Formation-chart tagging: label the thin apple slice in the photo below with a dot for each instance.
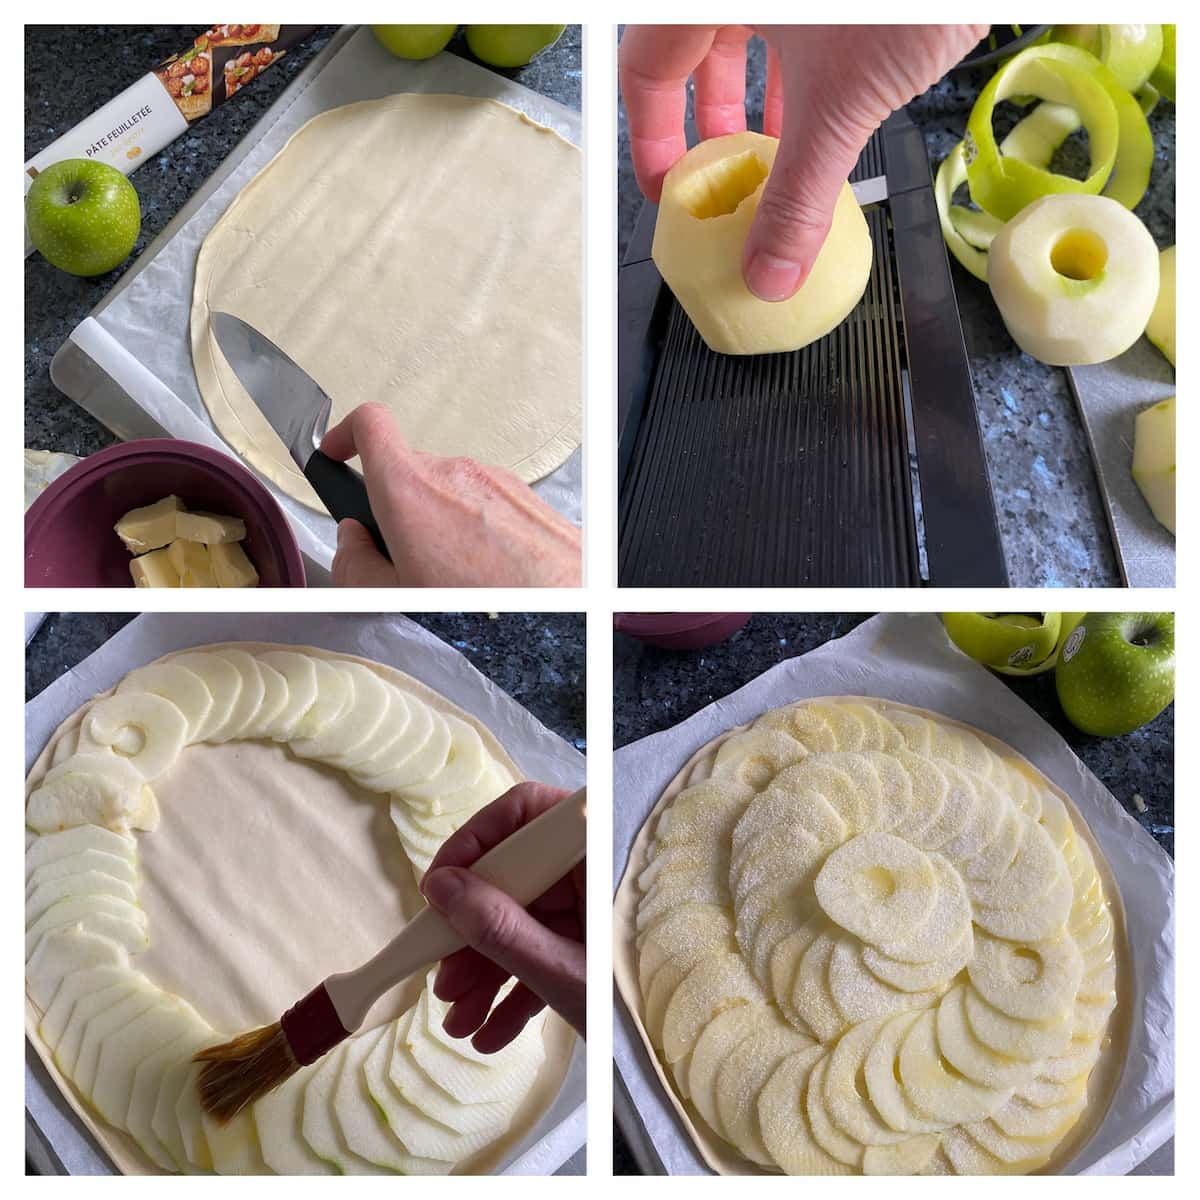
(881, 1073)
(414, 1142)
(688, 933)
(267, 721)
(934, 1091)
(799, 721)
(319, 1123)
(848, 731)
(234, 1146)
(62, 954)
(103, 1025)
(122, 1050)
(89, 789)
(755, 757)
(340, 742)
(726, 1031)
(920, 977)
(390, 1068)
(51, 848)
(300, 675)
(463, 766)
(783, 1120)
(250, 694)
(742, 1078)
(177, 1079)
(418, 730)
(189, 1117)
(147, 1081)
(811, 996)
(847, 1101)
(277, 1117)
(183, 688)
(1027, 1041)
(1031, 981)
(968, 1157)
(914, 730)
(104, 915)
(969, 1056)
(910, 1157)
(825, 1133)
(879, 734)
(74, 865)
(65, 887)
(335, 695)
(425, 758)
(142, 729)
(88, 1005)
(76, 985)
(224, 683)
(390, 734)
(861, 996)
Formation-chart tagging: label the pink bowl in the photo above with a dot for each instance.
(680, 631)
(69, 538)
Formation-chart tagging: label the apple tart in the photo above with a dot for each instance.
(870, 941)
(399, 1097)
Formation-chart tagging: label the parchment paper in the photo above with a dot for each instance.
(141, 338)
(908, 659)
(288, 833)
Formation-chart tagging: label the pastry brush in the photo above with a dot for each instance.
(524, 865)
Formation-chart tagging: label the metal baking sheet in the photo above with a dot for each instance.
(1110, 395)
(129, 363)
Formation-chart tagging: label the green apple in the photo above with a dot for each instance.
(1154, 459)
(414, 41)
(83, 215)
(1160, 329)
(1163, 77)
(1117, 671)
(510, 45)
(1018, 642)
(1131, 52)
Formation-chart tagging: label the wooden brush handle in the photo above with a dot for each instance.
(522, 866)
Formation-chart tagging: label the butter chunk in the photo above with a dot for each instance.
(154, 570)
(192, 563)
(151, 527)
(231, 566)
(209, 528)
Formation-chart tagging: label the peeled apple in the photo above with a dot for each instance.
(1075, 279)
(1154, 459)
(1160, 329)
(708, 202)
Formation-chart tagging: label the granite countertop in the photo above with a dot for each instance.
(1048, 504)
(99, 62)
(537, 658)
(656, 689)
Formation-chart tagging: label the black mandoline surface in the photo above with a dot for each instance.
(794, 469)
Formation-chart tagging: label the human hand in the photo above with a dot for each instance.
(447, 522)
(542, 945)
(828, 89)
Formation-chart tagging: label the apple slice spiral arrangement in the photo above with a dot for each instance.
(401, 1098)
(870, 943)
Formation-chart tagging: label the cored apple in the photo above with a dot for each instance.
(708, 203)
(1154, 459)
(1075, 278)
(1160, 329)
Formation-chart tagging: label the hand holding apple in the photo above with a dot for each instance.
(83, 215)
(1117, 671)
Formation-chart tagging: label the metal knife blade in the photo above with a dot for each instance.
(285, 393)
(298, 410)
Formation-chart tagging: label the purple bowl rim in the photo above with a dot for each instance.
(182, 449)
(648, 624)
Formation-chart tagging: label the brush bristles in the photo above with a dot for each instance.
(239, 1072)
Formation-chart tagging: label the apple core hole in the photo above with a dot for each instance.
(1079, 254)
(1025, 965)
(719, 190)
(877, 884)
(130, 741)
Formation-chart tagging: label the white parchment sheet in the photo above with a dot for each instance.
(142, 339)
(388, 639)
(910, 660)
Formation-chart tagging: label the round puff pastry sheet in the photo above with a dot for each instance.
(423, 251)
(203, 844)
(860, 938)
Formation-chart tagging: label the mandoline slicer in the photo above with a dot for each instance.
(856, 461)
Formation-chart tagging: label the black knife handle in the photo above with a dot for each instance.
(344, 494)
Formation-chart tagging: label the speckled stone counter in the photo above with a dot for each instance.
(1048, 505)
(537, 658)
(70, 71)
(656, 689)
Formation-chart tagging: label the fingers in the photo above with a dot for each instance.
(357, 562)
(495, 925)
(655, 62)
(491, 825)
(814, 159)
(773, 104)
(508, 1018)
(721, 84)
